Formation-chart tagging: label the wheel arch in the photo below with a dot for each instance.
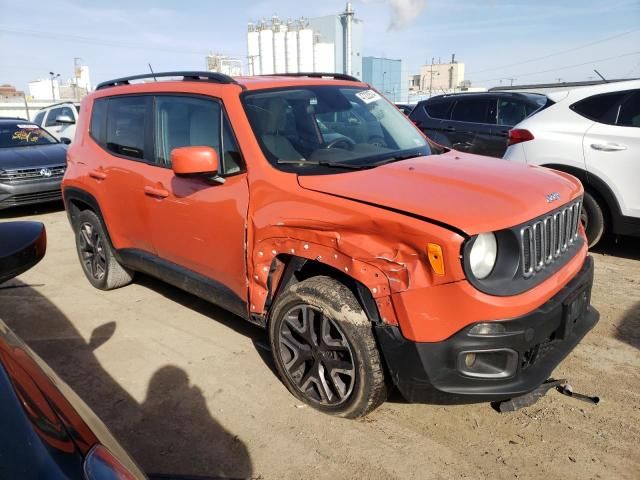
(77, 200)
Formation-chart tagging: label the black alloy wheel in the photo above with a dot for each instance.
(92, 251)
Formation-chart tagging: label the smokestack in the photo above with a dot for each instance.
(453, 58)
(348, 19)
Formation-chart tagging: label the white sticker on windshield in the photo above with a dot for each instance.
(27, 126)
(368, 96)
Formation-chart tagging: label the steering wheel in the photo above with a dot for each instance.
(346, 140)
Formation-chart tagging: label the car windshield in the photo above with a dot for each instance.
(23, 135)
(344, 127)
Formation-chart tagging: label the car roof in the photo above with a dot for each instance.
(14, 121)
(59, 104)
(520, 95)
(578, 93)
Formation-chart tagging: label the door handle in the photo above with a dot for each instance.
(450, 128)
(608, 147)
(156, 192)
(97, 174)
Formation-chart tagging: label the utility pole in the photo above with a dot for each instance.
(52, 77)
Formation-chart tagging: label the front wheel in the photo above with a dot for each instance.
(324, 348)
(592, 218)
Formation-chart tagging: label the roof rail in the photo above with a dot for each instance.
(337, 76)
(186, 76)
(71, 101)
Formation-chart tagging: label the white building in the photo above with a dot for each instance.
(331, 44)
(223, 64)
(42, 89)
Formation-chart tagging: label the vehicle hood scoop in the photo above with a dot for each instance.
(467, 192)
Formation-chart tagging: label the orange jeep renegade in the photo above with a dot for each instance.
(309, 205)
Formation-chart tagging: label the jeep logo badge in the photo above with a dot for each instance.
(45, 172)
(552, 197)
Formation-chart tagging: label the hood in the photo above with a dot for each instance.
(471, 193)
(31, 157)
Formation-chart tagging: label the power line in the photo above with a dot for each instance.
(566, 67)
(556, 53)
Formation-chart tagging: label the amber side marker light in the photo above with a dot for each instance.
(434, 253)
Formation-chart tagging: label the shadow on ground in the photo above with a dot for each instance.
(15, 213)
(170, 432)
(623, 247)
(629, 329)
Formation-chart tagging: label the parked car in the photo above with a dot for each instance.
(32, 163)
(592, 133)
(475, 122)
(60, 119)
(47, 430)
(369, 262)
(405, 108)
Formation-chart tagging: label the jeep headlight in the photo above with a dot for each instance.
(483, 255)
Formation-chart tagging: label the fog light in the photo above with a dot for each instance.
(487, 329)
(469, 359)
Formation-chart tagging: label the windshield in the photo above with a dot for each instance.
(24, 135)
(347, 127)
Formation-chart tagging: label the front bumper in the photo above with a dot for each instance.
(534, 345)
(28, 192)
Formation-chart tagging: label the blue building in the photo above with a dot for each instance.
(386, 76)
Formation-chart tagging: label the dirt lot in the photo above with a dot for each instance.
(190, 389)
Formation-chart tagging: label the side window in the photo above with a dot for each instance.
(438, 110)
(600, 108)
(126, 126)
(512, 112)
(39, 118)
(475, 110)
(629, 115)
(53, 114)
(99, 121)
(185, 121)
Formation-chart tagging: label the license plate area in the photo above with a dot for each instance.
(573, 309)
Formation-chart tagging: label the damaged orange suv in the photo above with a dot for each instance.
(312, 207)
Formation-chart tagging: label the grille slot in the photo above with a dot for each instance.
(24, 174)
(545, 240)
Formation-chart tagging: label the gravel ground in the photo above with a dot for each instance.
(190, 389)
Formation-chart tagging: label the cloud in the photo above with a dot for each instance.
(403, 12)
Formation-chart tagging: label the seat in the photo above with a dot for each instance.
(272, 125)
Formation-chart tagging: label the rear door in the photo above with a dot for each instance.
(612, 145)
(120, 126)
(198, 224)
(471, 125)
(431, 117)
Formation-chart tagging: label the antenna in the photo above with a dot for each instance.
(152, 73)
(598, 73)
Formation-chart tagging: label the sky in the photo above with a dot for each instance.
(498, 40)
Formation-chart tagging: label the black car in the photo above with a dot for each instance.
(405, 108)
(32, 163)
(46, 430)
(475, 122)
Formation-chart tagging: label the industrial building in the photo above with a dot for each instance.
(223, 64)
(53, 89)
(437, 78)
(332, 43)
(387, 76)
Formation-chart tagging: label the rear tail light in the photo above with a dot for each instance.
(519, 135)
(100, 464)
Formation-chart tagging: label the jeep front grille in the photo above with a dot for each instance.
(548, 238)
(19, 175)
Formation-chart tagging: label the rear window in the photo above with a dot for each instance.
(602, 108)
(630, 111)
(438, 109)
(126, 126)
(24, 135)
(99, 121)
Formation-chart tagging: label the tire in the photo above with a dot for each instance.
(339, 372)
(592, 217)
(96, 254)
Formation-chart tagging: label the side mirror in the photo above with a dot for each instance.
(22, 245)
(65, 140)
(65, 120)
(196, 162)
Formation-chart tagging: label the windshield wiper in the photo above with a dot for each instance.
(323, 163)
(396, 158)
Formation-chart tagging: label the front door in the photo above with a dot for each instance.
(61, 130)
(197, 224)
(612, 152)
